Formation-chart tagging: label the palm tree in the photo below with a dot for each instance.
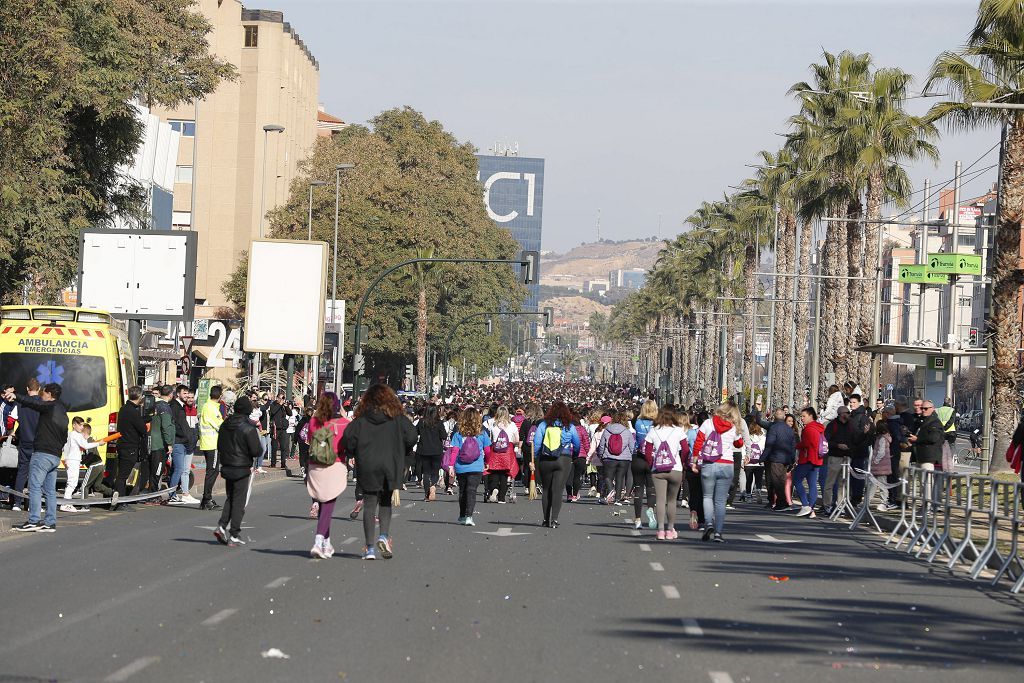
(990, 68)
(420, 276)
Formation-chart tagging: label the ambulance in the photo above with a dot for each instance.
(85, 351)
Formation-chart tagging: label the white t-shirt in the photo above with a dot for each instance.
(75, 446)
(673, 436)
(511, 432)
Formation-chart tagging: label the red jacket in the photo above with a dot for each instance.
(584, 440)
(810, 444)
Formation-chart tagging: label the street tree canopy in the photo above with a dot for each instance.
(69, 70)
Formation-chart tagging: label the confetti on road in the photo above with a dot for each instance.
(274, 653)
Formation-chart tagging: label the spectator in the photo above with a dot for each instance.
(840, 437)
(28, 421)
(131, 447)
(209, 425)
(779, 454)
(51, 434)
(161, 439)
(238, 446)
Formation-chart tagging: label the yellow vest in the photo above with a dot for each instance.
(209, 424)
(944, 413)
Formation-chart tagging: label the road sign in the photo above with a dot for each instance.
(954, 264)
(184, 366)
(186, 343)
(921, 275)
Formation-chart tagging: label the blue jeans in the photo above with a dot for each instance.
(716, 478)
(42, 478)
(265, 444)
(177, 466)
(809, 472)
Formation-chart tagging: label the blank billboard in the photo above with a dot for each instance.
(138, 274)
(284, 305)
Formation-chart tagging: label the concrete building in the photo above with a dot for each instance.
(219, 184)
(632, 278)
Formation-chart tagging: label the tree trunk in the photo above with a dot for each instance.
(749, 338)
(866, 326)
(783, 310)
(804, 311)
(710, 369)
(1004, 325)
(421, 342)
(833, 304)
(854, 293)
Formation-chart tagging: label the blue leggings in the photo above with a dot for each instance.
(806, 471)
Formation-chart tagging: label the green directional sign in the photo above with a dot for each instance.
(921, 275)
(955, 264)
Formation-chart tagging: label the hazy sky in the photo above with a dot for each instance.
(642, 109)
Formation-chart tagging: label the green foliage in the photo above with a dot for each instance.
(69, 70)
(413, 190)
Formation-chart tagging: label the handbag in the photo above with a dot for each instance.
(8, 454)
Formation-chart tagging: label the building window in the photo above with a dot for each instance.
(186, 128)
(252, 34)
(183, 174)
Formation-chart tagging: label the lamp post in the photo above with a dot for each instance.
(267, 129)
(309, 236)
(334, 273)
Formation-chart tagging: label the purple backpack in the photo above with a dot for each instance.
(712, 450)
(469, 451)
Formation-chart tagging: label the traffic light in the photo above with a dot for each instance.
(549, 316)
(530, 267)
(490, 326)
(974, 337)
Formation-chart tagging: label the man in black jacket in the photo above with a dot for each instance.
(133, 446)
(278, 413)
(238, 447)
(839, 434)
(927, 442)
(184, 442)
(51, 435)
(862, 433)
(779, 455)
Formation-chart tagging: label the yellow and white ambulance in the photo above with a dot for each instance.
(85, 351)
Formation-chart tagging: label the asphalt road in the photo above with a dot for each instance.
(149, 595)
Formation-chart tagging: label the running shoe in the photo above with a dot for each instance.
(27, 526)
(369, 554)
(356, 510)
(804, 511)
(174, 500)
(660, 535)
(384, 547)
(729, 506)
(328, 548)
(671, 534)
(469, 521)
(719, 539)
(314, 510)
(235, 541)
(317, 552)
(637, 523)
(462, 520)
(190, 500)
(708, 532)
(554, 524)
(221, 534)
(46, 529)
(652, 523)
(493, 498)
(592, 492)
(68, 508)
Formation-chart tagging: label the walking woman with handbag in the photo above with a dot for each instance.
(326, 473)
(377, 440)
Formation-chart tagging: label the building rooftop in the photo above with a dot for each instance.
(276, 17)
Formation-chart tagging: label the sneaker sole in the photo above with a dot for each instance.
(383, 551)
(45, 530)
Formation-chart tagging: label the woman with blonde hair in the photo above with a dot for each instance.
(501, 459)
(665, 447)
(465, 460)
(714, 448)
(643, 483)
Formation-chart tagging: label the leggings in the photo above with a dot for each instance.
(323, 518)
(469, 482)
(553, 473)
(755, 475)
(375, 505)
(642, 481)
(497, 479)
(615, 476)
(430, 465)
(666, 488)
(696, 491)
(806, 472)
(575, 480)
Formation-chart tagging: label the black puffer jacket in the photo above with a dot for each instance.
(928, 446)
(378, 444)
(238, 442)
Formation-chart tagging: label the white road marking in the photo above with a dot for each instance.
(691, 627)
(350, 539)
(766, 538)
(503, 531)
(219, 617)
(635, 532)
(408, 505)
(720, 677)
(656, 566)
(126, 672)
(671, 592)
(644, 548)
(278, 582)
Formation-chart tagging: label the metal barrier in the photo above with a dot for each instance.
(941, 513)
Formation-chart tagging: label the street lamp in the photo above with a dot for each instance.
(267, 129)
(334, 271)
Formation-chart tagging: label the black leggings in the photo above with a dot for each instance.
(430, 464)
(615, 476)
(755, 475)
(696, 493)
(575, 480)
(497, 480)
(235, 493)
(553, 474)
(468, 484)
(371, 501)
(642, 479)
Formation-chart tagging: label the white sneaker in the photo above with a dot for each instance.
(17, 508)
(318, 552)
(68, 508)
(189, 500)
(469, 521)
(493, 498)
(804, 511)
(328, 548)
(637, 523)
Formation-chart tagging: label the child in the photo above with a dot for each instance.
(94, 486)
(72, 456)
(881, 465)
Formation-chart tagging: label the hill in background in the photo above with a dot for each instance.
(595, 260)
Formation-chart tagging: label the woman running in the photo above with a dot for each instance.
(808, 461)
(665, 448)
(431, 438)
(326, 482)
(717, 440)
(501, 459)
(616, 452)
(465, 460)
(377, 441)
(555, 444)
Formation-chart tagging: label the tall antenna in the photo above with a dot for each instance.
(599, 225)
(659, 227)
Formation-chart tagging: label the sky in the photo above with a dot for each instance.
(641, 109)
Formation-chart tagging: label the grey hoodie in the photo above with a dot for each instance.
(627, 442)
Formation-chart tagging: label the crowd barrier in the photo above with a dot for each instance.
(970, 521)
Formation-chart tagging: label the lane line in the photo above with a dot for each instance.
(350, 539)
(126, 672)
(408, 505)
(671, 592)
(635, 532)
(692, 628)
(278, 582)
(656, 566)
(219, 617)
(644, 548)
(720, 677)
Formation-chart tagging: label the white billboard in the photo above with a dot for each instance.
(138, 274)
(284, 305)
